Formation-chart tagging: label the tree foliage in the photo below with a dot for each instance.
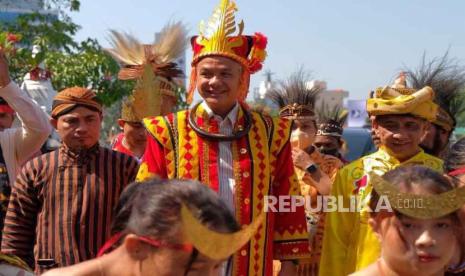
(71, 63)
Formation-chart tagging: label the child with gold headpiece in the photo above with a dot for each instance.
(401, 118)
(162, 227)
(154, 68)
(244, 156)
(414, 215)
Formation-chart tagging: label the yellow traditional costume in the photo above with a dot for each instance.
(349, 244)
(186, 145)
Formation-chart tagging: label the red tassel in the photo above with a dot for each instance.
(260, 41)
(192, 85)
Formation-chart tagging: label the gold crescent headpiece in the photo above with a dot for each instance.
(419, 206)
(217, 246)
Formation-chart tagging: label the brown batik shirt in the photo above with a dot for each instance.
(61, 205)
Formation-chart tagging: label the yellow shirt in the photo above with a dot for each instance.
(349, 244)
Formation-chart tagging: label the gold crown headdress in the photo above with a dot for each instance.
(419, 206)
(153, 66)
(217, 246)
(217, 39)
(398, 99)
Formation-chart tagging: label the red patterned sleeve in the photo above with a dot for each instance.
(290, 233)
(153, 161)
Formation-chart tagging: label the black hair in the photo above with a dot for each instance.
(447, 78)
(294, 90)
(152, 208)
(455, 156)
(437, 146)
(3, 102)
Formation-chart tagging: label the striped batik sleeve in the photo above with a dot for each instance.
(132, 167)
(21, 217)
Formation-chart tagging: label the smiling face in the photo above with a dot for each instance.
(401, 134)
(218, 82)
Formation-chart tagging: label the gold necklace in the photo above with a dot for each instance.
(217, 136)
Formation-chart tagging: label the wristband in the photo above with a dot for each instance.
(311, 169)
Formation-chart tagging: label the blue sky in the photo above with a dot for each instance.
(354, 45)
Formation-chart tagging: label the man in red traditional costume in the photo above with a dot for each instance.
(244, 156)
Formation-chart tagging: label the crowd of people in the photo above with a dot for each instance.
(187, 193)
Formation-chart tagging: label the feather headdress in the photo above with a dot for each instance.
(153, 66)
(293, 96)
(331, 120)
(447, 78)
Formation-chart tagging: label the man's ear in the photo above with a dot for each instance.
(136, 249)
(54, 122)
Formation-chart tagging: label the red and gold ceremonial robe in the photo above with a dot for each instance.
(262, 164)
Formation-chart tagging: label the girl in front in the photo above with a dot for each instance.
(418, 235)
(153, 237)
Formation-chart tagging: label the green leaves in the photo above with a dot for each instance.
(71, 63)
(88, 66)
